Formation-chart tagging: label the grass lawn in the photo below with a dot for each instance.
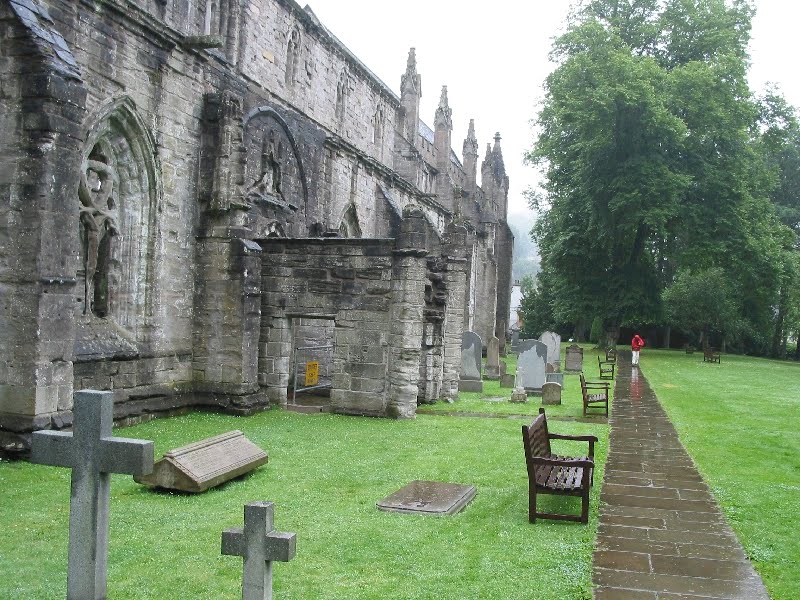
(325, 474)
(740, 421)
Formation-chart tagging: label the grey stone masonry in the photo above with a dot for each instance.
(225, 360)
(493, 358)
(455, 278)
(92, 454)
(259, 544)
(408, 300)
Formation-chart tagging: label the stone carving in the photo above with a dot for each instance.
(268, 185)
(99, 222)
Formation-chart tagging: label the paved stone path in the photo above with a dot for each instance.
(661, 534)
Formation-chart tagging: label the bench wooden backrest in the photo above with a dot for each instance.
(583, 383)
(536, 439)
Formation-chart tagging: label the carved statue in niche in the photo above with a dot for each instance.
(268, 184)
(97, 216)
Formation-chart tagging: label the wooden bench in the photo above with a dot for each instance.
(710, 355)
(598, 398)
(611, 355)
(552, 474)
(606, 368)
(689, 349)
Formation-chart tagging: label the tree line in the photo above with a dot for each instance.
(672, 192)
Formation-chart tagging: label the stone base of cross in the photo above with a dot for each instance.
(93, 454)
(259, 544)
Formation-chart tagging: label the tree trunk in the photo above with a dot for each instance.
(777, 335)
(797, 347)
(610, 336)
(667, 336)
(579, 333)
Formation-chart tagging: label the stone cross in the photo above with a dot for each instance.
(92, 454)
(259, 544)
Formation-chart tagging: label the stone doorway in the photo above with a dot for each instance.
(311, 369)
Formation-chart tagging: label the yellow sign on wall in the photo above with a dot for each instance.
(312, 373)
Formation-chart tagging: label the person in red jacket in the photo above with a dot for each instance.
(637, 343)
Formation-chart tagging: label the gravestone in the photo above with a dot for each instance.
(493, 359)
(515, 340)
(519, 395)
(553, 342)
(259, 544)
(531, 365)
(556, 377)
(93, 454)
(574, 360)
(429, 498)
(551, 393)
(507, 381)
(205, 464)
(471, 359)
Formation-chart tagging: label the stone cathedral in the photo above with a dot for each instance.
(193, 190)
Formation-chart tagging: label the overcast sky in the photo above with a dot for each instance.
(493, 57)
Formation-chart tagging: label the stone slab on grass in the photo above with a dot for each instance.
(429, 498)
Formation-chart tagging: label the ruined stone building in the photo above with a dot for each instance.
(191, 190)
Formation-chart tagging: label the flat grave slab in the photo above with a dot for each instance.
(205, 464)
(429, 498)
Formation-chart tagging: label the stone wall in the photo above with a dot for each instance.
(146, 146)
(372, 289)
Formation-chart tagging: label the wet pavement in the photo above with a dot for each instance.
(661, 534)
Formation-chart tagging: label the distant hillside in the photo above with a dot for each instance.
(526, 254)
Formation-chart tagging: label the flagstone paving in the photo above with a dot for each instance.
(661, 534)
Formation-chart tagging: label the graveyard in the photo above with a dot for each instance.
(326, 473)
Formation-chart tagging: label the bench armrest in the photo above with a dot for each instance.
(592, 439)
(579, 438)
(585, 463)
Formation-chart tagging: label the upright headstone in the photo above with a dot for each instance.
(515, 340)
(551, 393)
(553, 342)
(574, 360)
(557, 377)
(93, 454)
(259, 544)
(531, 365)
(493, 359)
(471, 359)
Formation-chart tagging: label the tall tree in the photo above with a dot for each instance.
(646, 134)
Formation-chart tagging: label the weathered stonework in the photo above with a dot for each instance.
(181, 181)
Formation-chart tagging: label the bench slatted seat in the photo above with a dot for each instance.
(711, 355)
(606, 368)
(549, 473)
(595, 395)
